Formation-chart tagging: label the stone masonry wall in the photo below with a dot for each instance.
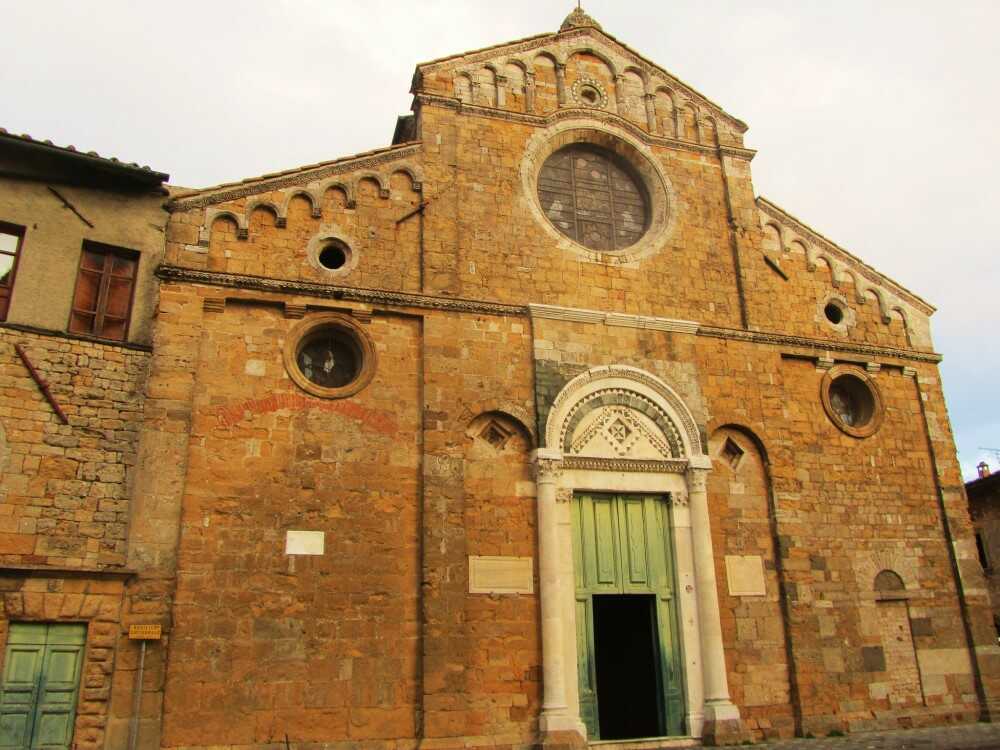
(265, 644)
(64, 491)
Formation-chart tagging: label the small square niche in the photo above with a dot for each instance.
(731, 453)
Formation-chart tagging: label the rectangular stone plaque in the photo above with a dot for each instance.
(500, 575)
(304, 543)
(746, 575)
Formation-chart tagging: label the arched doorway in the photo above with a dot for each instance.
(626, 565)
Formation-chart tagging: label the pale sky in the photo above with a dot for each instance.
(875, 120)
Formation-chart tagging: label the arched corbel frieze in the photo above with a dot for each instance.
(268, 205)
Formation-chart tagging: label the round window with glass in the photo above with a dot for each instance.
(851, 400)
(330, 355)
(593, 197)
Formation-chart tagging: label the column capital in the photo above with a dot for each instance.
(699, 463)
(548, 463)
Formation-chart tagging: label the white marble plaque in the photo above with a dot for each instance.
(500, 575)
(304, 542)
(746, 575)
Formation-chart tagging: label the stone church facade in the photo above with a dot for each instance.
(539, 425)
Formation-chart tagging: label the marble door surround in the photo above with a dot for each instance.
(623, 430)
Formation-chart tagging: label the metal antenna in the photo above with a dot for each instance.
(994, 451)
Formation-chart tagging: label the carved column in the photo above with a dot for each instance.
(555, 711)
(501, 91)
(529, 92)
(687, 606)
(620, 103)
(650, 112)
(561, 83)
(721, 716)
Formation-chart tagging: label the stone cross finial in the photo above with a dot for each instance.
(578, 19)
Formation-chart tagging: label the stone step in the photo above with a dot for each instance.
(646, 743)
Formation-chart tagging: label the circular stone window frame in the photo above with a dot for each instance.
(878, 407)
(589, 83)
(300, 334)
(319, 242)
(641, 160)
(848, 315)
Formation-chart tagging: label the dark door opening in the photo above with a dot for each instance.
(629, 698)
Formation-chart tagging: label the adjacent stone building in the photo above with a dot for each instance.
(540, 426)
(984, 508)
(80, 237)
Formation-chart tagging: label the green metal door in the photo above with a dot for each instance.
(622, 545)
(41, 681)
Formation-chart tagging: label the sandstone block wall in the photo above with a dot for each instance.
(65, 487)
(378, 640)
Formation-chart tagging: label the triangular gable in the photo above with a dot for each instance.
(796, 237)
(632, 60)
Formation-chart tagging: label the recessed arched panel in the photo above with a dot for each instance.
(889, 580)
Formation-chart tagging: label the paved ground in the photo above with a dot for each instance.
(979, 736)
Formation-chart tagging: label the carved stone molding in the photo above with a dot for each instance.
(406, 300)
(779, 339)
(295, 178)
(329, 291)
(584, 463)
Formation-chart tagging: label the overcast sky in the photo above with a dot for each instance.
(876, 121)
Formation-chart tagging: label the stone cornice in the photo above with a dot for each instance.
(552, 312)
(293, 178)
(579, 315)
(328, 291)
(449, 102)
(855, 263)
(803, 342)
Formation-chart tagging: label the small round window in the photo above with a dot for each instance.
(334, 255)
(852, 401)
(593, 197)
(833, 312)
(330, 356)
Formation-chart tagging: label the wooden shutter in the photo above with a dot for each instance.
(102, 302)
(11, 239)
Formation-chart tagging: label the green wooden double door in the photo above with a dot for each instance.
(41, 682)
(630, 674)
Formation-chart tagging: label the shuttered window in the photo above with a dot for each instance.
(11, 238)
(105, 285)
